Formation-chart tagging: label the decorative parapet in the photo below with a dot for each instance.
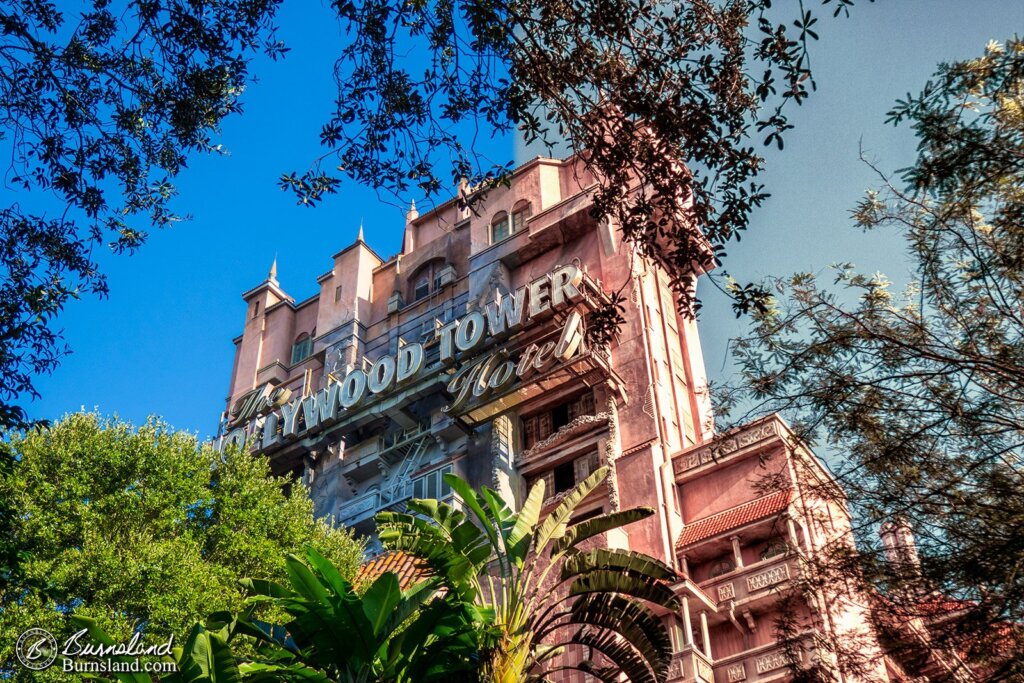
(583, 423)
(690, 665)
(676, 671)
(770, 662)
(724, 447)
(356, 507)
(775, 575)
(726, 592)
(736, 672)
(704, 671)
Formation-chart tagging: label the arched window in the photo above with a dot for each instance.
(500, 227)
(426, 279)
(721, 567)
(774, 549)
(520, 212)
(302, 348)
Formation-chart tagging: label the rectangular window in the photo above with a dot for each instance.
(301, 350)
(584, 405)
(337, 294)
(255, 310)
(560, 417)
(565, 477)
(584, 516)
(499, 230)
(422, 289)
(432, 484)
(518, 221)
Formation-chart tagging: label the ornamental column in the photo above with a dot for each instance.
(704, 633)
(794, 539)
(687, 626)
(736, 551)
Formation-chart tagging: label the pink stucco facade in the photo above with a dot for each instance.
(640, 407)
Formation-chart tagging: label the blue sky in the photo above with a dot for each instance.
(161, 343)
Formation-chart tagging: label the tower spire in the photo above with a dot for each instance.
(272, 275)
(409, 241)
(359, 237)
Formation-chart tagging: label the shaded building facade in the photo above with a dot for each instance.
(466, 353)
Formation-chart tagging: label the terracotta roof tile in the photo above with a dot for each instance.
(752, 511)
(408, 568)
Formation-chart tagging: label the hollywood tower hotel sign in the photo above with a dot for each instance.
(465, 353)
(270, 414)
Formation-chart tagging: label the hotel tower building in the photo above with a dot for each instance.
(465, 353)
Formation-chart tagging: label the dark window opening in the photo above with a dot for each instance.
(540, 426)
(774, 549)
(560, 416)
(565, 477)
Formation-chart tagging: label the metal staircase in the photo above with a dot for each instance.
(394, 497)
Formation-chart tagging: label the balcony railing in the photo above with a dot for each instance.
(689, 665)
(365, 506)
(754, 580)
(764, 662)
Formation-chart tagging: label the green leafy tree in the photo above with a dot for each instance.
(333, 633)
(101, 105)
(384, 634)
(921, 395)
(145, 529)
(548, 595)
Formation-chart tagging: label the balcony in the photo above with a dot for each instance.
(359, 511)
(690, 665)
(765, 663)
(755, 583)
